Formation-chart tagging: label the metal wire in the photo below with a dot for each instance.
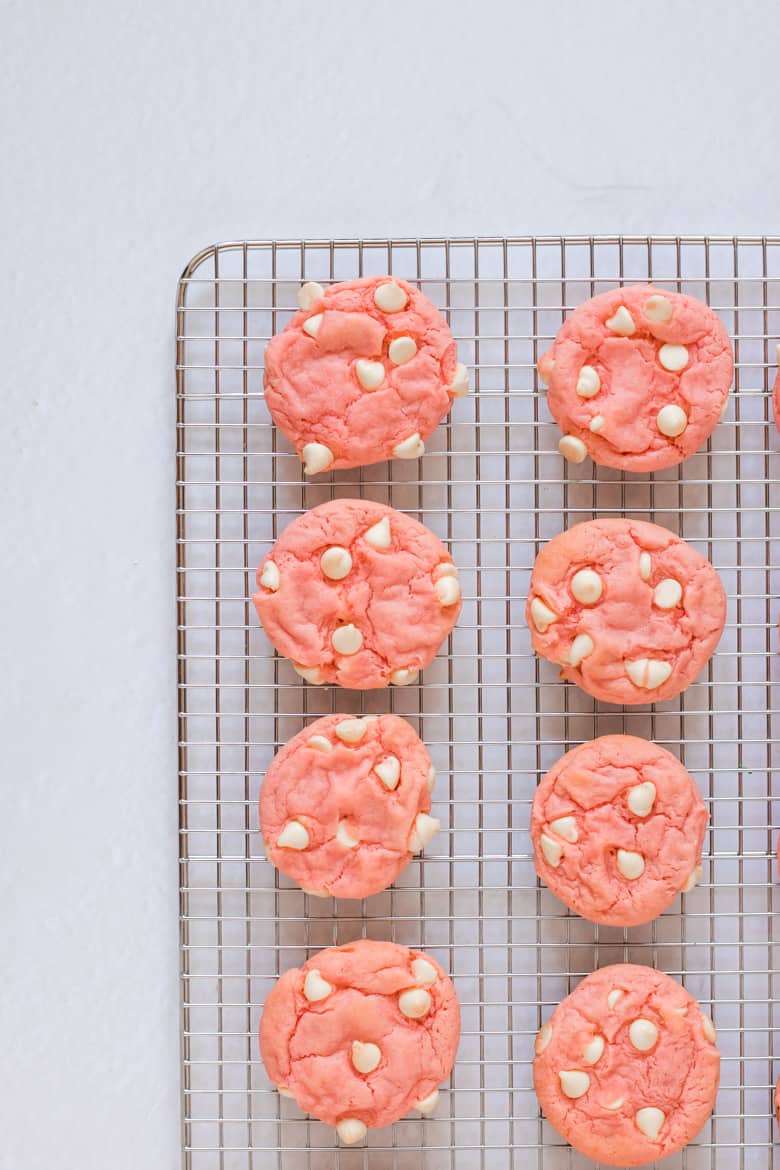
(493, 487)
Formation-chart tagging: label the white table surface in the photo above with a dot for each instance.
(132, 136)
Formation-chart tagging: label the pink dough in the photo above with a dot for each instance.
(307, 1046)
(312, 386)
(633, 384)
(630, 645)
(619, 1087)
(321, 781)
(393, 596)
(614, 796)
(776, 393)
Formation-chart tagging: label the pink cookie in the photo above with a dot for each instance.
(626, 1069)
(345, 804)
(631, 612)
(358, 594)
(365, 371)
(361, 1034)
(639, 378)
(776, 393)
(777, 1102)
(617, 826)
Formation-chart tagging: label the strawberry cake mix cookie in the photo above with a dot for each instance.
(617, 827)
(357, 594)
(361, 1034)
(626, 1069)
(776, 393)
(638, 378)
(366, 370)
(346, 803)
(630, 612)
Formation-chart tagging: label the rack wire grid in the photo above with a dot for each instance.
(493, 486)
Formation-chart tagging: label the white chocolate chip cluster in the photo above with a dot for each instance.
(586, 588)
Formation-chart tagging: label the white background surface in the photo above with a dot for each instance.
(132, 136)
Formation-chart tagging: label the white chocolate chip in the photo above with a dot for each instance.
(723, 408)
(543, 1038)
(614, 996)
(447, 570)
(682, 1011)
(424, 972)
(622, 322)
(581, 647)
(565, 827)
(459, 386)
(411, 448)
(692, 880)
(574, 1083)
(351, 730)
(308, 293)
(648, 673)
(630, 864)
(336, 562)
(427, 1104)
(312, 324)
(658, 309)
(346, 639)
(643, 1034)
(316, 893)
(344, 837)
(649, 1121)
(645, 566)
(404, 677)
(351, 1130)
(552, 851)
(431, 777)
(293, 836)
(618, 1103)
(448, 590)
(596, 424)
(414, 1003)
(390, 297)
(541, 615)
(312, 674)
(389, 771)
(401, 350)
(369, 374)
(586, 587)
(673, 358)
(378, 535)
(545, 368)
(425, 828)
(588, 383)
(316, 457)
(667, 593)
(641, 798)
(320, 743)
(269, 578)
(671, 420)
(708, 1028)
(315, 987)
(594, 1050)
(365, 1057)
(572, 448)
(283, 1092)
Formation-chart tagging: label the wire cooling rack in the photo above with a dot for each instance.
(493, 486)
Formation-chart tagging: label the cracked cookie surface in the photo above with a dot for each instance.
(629, 611)
(365, 371)
(638, 378)
(627, 1067)
(346, 802)
(357, 594)
(617, 826)
(361, 1034)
